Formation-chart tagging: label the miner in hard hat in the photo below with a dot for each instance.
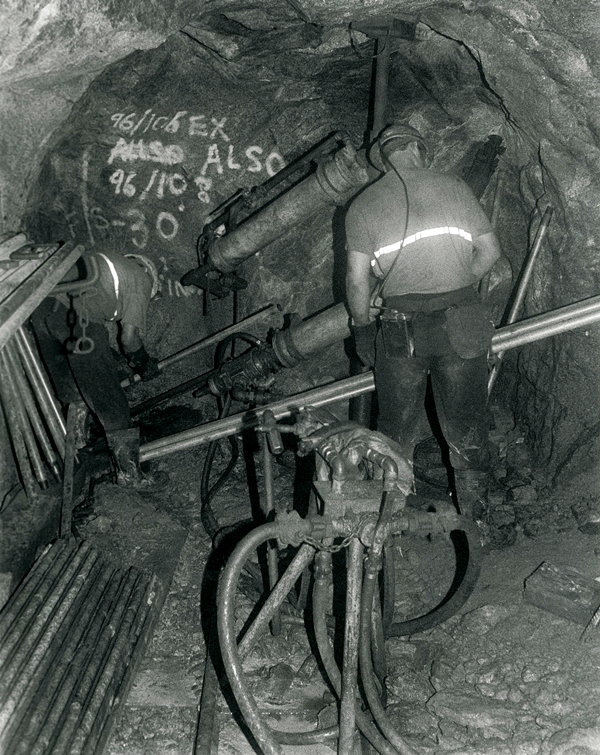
(70, 326)
(418, 243)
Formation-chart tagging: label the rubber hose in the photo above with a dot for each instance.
(456, 597)
(320, 608)
(209, 520)
(389, 585)
(366, 668)
(267, 738)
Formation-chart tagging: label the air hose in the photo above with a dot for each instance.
(380, 732)
(462, 586)
(207, 493)
(268, 739)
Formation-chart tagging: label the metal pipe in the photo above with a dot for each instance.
(546, 324)
(25, 653)
(99, 657)
(335, 181)
(548, 329)
(30, 586)
(39, 651)
(320, 607)
(226, 625)
(517, 305)
(11, 412)
(27, 456)
(33, 414)
(297, 565)
(268, 507)
(116, 666)
(350, 655)
(66, 511)
(236, 423)
(45, 396)
(73, 668)
(65, 643)
(268, 312)
(382, 69)
(26, 424)
(509, 337)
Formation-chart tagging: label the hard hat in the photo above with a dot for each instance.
(150, 269)
(395, 137)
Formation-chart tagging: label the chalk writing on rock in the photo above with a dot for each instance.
(193, 125)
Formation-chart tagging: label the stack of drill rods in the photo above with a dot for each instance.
(41, 386)
(33, 417)
(67, 638)
(32, 408)
(25, 448)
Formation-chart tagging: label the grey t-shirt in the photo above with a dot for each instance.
(435, 247)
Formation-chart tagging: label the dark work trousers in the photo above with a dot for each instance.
(92, 377)
(459, 391)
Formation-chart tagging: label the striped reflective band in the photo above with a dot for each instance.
(115, 277)
(443, 230)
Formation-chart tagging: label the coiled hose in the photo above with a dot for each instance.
(268, 739)
(381, 734)
(462, 586)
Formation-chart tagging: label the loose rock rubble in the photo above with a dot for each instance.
(500, 678)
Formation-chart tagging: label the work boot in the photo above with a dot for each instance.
(124, 448)
(471, 486)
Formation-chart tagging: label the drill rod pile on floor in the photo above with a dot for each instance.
(70, 639)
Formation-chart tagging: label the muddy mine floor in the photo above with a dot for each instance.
(502, 677)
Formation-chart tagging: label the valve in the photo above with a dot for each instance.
(269, 426)
(254, 368)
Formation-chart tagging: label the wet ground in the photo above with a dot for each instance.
(502, 677)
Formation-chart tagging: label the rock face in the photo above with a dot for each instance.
(138, 130)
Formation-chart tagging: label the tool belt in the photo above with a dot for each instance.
(459, 313)
(397, 333)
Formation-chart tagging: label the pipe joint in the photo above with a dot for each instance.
(292, 529)
(254, 368)
(340, 175)
(285, 348)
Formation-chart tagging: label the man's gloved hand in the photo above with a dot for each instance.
(364, 342)
(146, 367)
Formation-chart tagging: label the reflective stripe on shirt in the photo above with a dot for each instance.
(443, 230)
(115, 277)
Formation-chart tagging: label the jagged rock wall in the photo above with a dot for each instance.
(287, 75)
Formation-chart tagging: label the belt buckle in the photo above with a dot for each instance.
(390, 315)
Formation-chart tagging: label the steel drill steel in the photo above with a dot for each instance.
(267, 313)
(517, 305)
(25, 422)
(31, 408)
(534, 329)
(44, 394)
(13, 414)
(48, 704)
